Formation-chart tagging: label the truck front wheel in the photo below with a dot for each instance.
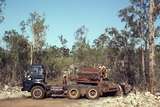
(37, 92)
(92, 93)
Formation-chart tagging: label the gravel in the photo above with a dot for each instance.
(12, 92)
(144, 99)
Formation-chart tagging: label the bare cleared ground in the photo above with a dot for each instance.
(127, 101)
(49, 102)
(13, 97)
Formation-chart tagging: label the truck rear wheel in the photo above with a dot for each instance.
(37, 92)
(92, 93)
(73, 93)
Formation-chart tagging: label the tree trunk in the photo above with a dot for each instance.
(151, 72)
(143, 69)
(31, 54)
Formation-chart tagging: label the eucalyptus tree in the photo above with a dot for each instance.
(37, 26)
(17, 51)
(80, 47)
(140, 17)
(64, 51)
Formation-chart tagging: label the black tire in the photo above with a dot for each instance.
(73, 93)
(92, 93)
(37, 92)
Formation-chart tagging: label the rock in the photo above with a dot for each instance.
(157, 94)
(12, 92)
(132, 100)
(5, 87)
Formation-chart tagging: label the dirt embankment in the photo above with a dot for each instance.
(13, 97)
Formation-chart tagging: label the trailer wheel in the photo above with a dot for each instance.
(92, 93)
(37, 92)
(73, 93)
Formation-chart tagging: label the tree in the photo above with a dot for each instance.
(151, 35)
(135, 16)
(80, 47)
(140, 18)
(100, 49)
(36, 23)
(18, 50)
(121, 55)
(81, 33)
(64, 51)
(101, 41)
(62, 40)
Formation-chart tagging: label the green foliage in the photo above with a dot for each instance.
(15, 58)
(80, 48)
(17, 45)
(35, 24)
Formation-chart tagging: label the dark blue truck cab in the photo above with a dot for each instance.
(34, 76)
(35, 83)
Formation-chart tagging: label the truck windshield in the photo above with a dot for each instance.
(37, 72)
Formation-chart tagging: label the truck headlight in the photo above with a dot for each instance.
(29, 77)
